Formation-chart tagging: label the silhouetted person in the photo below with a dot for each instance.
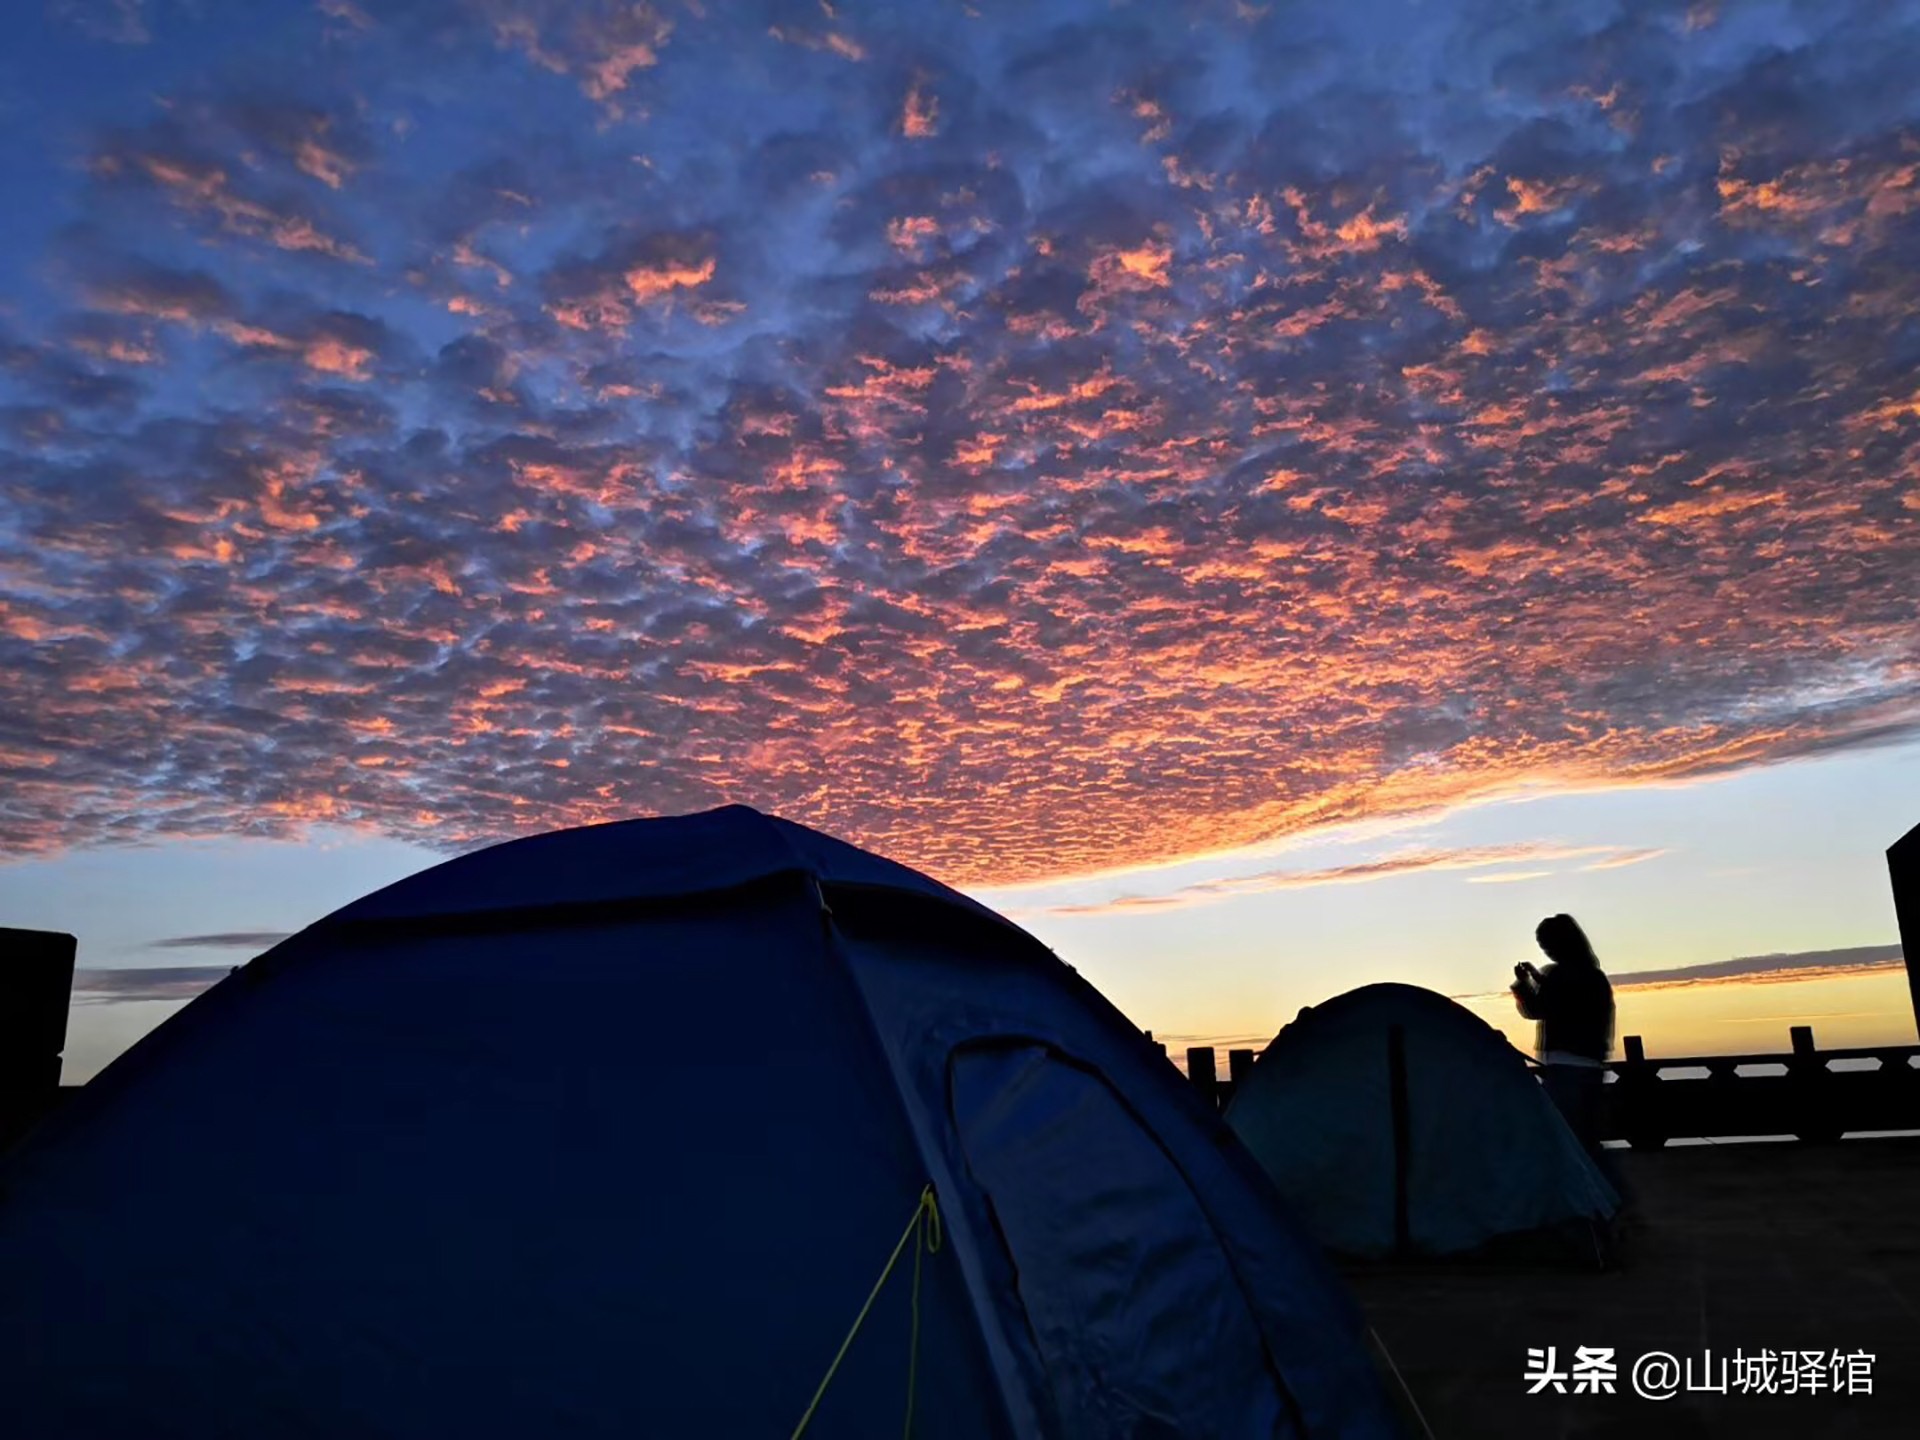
(1573, 1004)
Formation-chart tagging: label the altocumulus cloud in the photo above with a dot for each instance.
(1031, 441)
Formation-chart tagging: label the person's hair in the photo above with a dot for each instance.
(1564, 941)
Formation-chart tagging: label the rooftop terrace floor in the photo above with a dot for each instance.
(1748, 1246)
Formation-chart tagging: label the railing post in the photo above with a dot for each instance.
(1636, 1099)
(1200, 1070)
(1811, 1107)
(1239, 1063)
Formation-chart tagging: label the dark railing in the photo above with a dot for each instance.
(1807, 1093)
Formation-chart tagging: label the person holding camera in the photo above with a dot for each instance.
(1573, 1003)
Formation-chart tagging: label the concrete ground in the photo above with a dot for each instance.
(1732, 1247)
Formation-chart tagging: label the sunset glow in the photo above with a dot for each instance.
(1038, 442)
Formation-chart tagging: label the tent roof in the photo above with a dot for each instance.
(638, 861)
(1390, 1001)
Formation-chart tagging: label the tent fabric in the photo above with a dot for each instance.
(1483, 1155)
(609, 1165)
(1119, 1310)
(634, 861)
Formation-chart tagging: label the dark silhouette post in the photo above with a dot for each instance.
(1812, 1115)
(1903, 864)
(1202, 1072)
(1636, 1100)
(1239, 1064)
(36, 982)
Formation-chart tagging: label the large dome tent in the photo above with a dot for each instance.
(614, 1131)
(1395, 1122)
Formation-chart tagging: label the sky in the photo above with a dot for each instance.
(1272, 496)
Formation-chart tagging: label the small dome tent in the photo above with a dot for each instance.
(612, 1131)
(1394, 1121)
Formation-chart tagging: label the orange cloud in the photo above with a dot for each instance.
(649, 282)
(335, 357)
(920, 115)
(328, 167)
(206, 189)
